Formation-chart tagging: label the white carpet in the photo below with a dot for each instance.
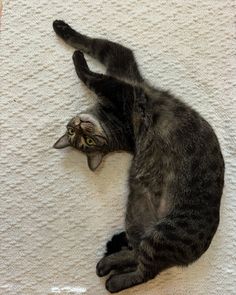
(56, 215)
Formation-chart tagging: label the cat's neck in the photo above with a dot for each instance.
(118, 129)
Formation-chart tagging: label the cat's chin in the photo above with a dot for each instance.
(92, 120)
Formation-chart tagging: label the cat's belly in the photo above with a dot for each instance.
(144, 209)
(150, 199)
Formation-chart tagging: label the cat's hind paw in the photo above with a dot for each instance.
(62, 29)
(112, 284)
(102, 268)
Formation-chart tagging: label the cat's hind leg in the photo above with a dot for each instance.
(124, 259)
(119, 282)
(119, 60)
(130, 276)
(166, 246)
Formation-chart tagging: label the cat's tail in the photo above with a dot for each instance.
(117, 243)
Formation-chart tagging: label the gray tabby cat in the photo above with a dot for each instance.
(177, 172)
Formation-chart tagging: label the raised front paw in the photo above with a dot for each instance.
(79, 60)
(62, 29)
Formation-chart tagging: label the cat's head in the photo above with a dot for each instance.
(85, 133)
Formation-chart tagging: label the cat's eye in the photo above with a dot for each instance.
(70, 131)
(90, 141)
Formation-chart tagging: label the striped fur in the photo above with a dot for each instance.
(177, 173)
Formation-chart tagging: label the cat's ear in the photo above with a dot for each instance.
(62, 142)
(94, 160)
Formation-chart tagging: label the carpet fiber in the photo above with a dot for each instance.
(55, 214)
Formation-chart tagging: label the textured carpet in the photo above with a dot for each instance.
(56, 215)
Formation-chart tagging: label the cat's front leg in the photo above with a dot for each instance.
(81, 65)
(63, 30)
(103, 85)
(119, 60)
(91, 80)
(70, 36)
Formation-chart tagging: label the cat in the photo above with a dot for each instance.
(176, 176)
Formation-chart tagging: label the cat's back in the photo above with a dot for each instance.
(176, 176)
(177, 153)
